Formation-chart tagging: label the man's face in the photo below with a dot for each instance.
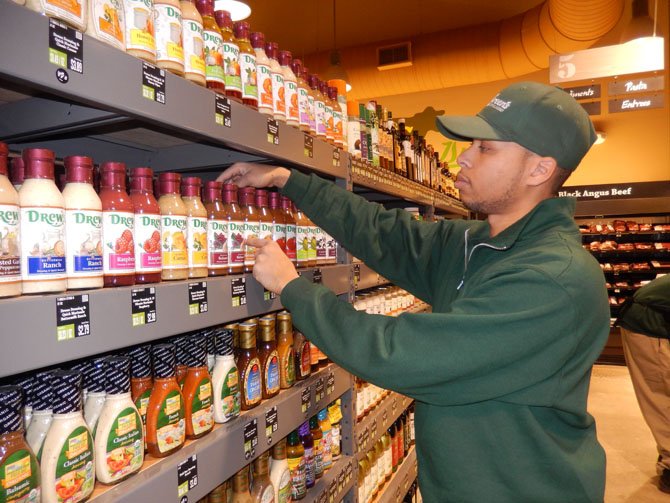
(490, 180)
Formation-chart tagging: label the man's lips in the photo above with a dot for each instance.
(461, 181)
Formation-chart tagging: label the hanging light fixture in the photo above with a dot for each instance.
(238, 10)
(641, 25)
(336, 71)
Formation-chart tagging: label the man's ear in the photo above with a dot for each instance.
(542, 171)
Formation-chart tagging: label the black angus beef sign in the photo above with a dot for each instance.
(617, 191)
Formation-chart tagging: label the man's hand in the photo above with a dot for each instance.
(273, 269)
(245, 174)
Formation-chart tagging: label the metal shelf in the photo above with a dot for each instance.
(221, 453)
(365, 277)
(395, 489)
(335, 483)
(31, 320)
(372, 426)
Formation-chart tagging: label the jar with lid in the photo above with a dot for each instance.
(225, 378)
(42, 416)
(251, 224)
(147, 226)
(278, 221)
(193, 44)
(213, 41)
(247, 61)
(93, 379)
(303, 95)
(285, 350)
(291, 89)
(217, 229)
(319, 107)
(83, 225)
(72, 13)
(196, 227)
(265, 216)
(235, 236)
(278, 89)
(263, 74)
(198, 390)
(231, 55)
(268, 357)
(10, 248)
(173, 228)
(107, 22)
(141, 382)
(249, 366)
(168, 32)
(291, 239)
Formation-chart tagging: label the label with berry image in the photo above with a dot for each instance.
(119, 243)
(236, 243)
(196, 232)
(173, 235)
(217, 244)
(279, 235)
(291, 251)
(147, 242)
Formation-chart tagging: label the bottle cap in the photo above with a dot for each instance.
(210, 335)
(313, 81)
(26, 386)
(332, 93)
(39, 163)
(271, 50)
(296, 66)
(17, 170)
(230, 193)
(94, 376)
(117, 375)
(323, 414)
(141, 180)
(246, 196)
(293, 437)
(164, 359)
(314, 422)
(140, 361)
(285, 58)
(223, 19)
(11, 403)
(323, 88)
(190, 186)
(224, 342)
(113, 174)
(247, 334)
(258, 40)
(42, 392)
(3, 158)
(205, 7)
(66, 386)
(212, 191)
(181, 354)
(286, 203)
(78, 169)
(168, 183)
(195, 349)
(261, 198)
(274, 200)
(241, 30)
(235, 327)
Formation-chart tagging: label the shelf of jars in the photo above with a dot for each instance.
(108, 89)
(232, 445)
(76, 324)
(335, 483)
(395, 489)
(378, 420)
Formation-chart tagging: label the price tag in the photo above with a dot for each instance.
(197, 297)
(238, 291)
(153, 83)
(309, 146)
(350, 471)
(223, 114)
(394, 406)
(271, 423)
(332, 491)
(373, 430)
(66, 47)
(250, 438)
(359, 442)
(73, 317)
(143, 305)
(187, 475)
(357, 274)
(268, 295)
(306, 398)
(317, 276)
(323, 497)
(366, 437)
(273, 131)
(385, 416)
(341, 481)
(330, 384)
(320, 388)
(336, 158)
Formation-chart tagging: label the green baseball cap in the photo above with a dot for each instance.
(544, 119)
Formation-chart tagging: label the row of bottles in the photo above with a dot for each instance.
(80, 238)
(388, 300)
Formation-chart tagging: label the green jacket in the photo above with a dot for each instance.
(500, 370)
(648, 312)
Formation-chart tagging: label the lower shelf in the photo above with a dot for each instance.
(395, 489)
(335, 484)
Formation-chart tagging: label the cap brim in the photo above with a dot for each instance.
(466, 128)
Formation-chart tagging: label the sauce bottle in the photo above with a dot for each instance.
(381, 467)
(400, 440)
(302, 349)
(196, 227)
(234, 327)
(140, 29)
(147, 227)
(262, 489)
(198, 390)
(42, 416)
(307, 441)
(93, 379)
(295, 457)
(235, 237)
(311, 104)
(231, 54)
(338, 117)
(303, 237)
(83, 225)
(313, 357)
(168, 33)
(10, 250)
(280, 475)
(241, 492)
(17, 172)
(291, 243)
(353, 129)
(173, 228)
(165, 412)
(278, 221)
(118, 221)
(67, 468)
(19, 471)
(285, 350)
(181, 359)
(251, 224)
(217, 230)
(268, 357)
(249, 366)
(394, 447)
(374, 481)
(326, 441)
(278, 89)
(213, 41)
(225, 379)
(291, 89)
(335, 415)
(42, 225)
(317, 436)
(312, 231)
(141, 382)
(361, 482)
(73, 13)
(107, 22)
(193, 44)
(119, 439)
(321, 246)
(387, 456)
(328, 104)
(265, 215)
(247, 60)
(303, 95)
(263, 74)
(319, 107)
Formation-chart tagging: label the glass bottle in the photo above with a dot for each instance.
(291, 239)
(249, 366)
(139, 37)
(147, 227)
(278, 87)
(335, 415)
(241, 492)
(263, 74)
(302, 349)
(167, 17)
(317, 436)
(278, 221)
(268, 356)
(193, 44)
(251, 224)
(247, 60)
(312, 237)
(285, 350)
(307, 441)
(319, 107)
(303, 95)
(173, 228)
(141, 381)
(265, 215)
(197, 390)
(217, 229)
(225, 378)
(262, 489)
(73, 13)
(290, 89)
(196, 227)
(295, 457)
(280, 475)
(338, 117)
(303, 237)
(231, 53)
(235, 236)
(311, 103)
(213, 47)
(328, 112)
(326, 440)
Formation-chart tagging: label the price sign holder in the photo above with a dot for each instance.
(306, 398)
(319, 393)
(317, 276)
(309, 146)
(197, 298)
(66, 47)
(330, 384)
(250, 438)
(73, 317)
(187, 475)
(238, 292)
(273, 131)
(223, 113)
(271, 423)
(143, 306)
(153, 83)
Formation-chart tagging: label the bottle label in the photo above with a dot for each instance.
(250, 229)
(230, 394)
(311, 253)
(141, 403)
(354, 137)
(325, 444)
(320, 118)
(303, 106)
(303, 243)
(235, 242)
(75, 471)
(328, 117)
(43, 243)
(265, 99)
(19, 478)
(287, 368)
(305, 360)
(170, 427)
(337, 125)
(335, 441)
(69, 11)
(251, 381)
(297, 468)
(318, 458)
(249, 76)
(217, 244)
(83, 229)
(291, 251)
(279, 235)
(213, 56)
(125, 447)
(140, 26)
(173, 234)
(292, 108)
(108, 18)
(119, 243)
(194, 47)
(265, 230)
(196, 230)
(310, 468)
(147, 243)
(284, 489)
(331, 246)
(272, 373)
(278, 94)
(201, 409)
(311, 110)
(168, 34)
(321, 245)
(10, 251)
(231, 67)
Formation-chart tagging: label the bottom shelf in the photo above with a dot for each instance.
(335, 483)
(395, 489)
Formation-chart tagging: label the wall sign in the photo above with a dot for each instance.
(637, 103)
(592, 107)
(617, 191)
(636, 85)
(584, 92)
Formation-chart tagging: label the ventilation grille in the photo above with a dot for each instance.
(394, 56)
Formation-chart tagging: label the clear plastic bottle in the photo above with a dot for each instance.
(168, 32)
(278, 88)
(290, 89)
(140, 37)
(72, 13)
(247, 61)
(173, 228)
(213, 47)
(217, 229)
(231, 54)
(10, 247)
(225, 379)
(147, 227)
(107, 22)
(193, 44)
(263, 74)
(196, 227)
(303, 95)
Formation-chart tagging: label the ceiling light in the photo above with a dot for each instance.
(238, 10)
(336, 71)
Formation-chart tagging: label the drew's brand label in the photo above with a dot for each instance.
(171, 428)
(231, 67)
(168, 33)
(320, 118)
(230, 394)
(109, 20)
(197, 241)
(235, 242)
(43, 246)
(249, 77)
(292, 109)
(303, 237)
(19, 479)
(173, 242)
(250, 229)
(69, 11)
(202, 419)
(279, 235)
(311, 108)
(311, 252)
(328, 117)
(321, 245)
(331, 245)
(265, 99)
(265, 230)
(278, 93)
(251, 377)
(291, 241)
(74, 469)
(140, 25)
(213, 56)
(217, 244)
(194, 51)
(498, 104)
(337, 124)
(147, 242)
(303, 106)
(10, 251)
(83, 229)
(119, 242)
(125, 445)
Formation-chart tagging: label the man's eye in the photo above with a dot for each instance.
(483, 148)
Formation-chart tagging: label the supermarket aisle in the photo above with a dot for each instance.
(631, 450)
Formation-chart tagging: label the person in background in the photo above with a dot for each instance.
(645, 332)
(500, 369)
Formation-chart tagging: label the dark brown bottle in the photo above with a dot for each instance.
(249, 366)
(268, 356)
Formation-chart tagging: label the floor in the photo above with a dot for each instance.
(630, 448)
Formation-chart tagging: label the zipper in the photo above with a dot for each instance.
(467, 256)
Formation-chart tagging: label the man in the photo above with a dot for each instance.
(645, 332)
(500, 369)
